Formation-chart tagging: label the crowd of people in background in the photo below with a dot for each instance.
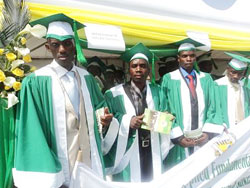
(107, 76)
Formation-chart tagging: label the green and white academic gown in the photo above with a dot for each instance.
(228, 97)
(41, 158)
(176, 90)
(123, 159)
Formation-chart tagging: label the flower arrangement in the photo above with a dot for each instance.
(14, 54)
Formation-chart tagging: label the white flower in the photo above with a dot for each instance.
(9, 81)
(38, 30)
(12, 100)
(26, 30)
(16, 63)
(22, 51)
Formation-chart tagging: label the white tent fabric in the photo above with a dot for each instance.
(158, 22)
(234, 14)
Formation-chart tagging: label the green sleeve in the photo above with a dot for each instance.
(213, 111)
(97, 98)
(35, 135)
(222, 94)
(246, 101)
(155, 90)
(171, 99)
(116, 106)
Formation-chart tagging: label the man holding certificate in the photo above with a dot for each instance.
(138, 153)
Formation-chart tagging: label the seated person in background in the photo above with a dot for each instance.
(206, 64)
(119, 76)
(96, 67)
(167, 64)
(234, 94)
(109, 76)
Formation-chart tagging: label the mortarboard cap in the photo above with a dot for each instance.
(58, 25)
(162, 64)
(139, 51)
(110, 68)
(206, 58)
(62, 27)
(186, 47)
(237, 65)
(170, 59)
(96, 61)
(238, 62)
(166, 61)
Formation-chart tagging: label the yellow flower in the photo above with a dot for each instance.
(11, 56)
(1, 51)
(27, 58)
(17, 86)
(6, 88)
(23, 40)
(33, 68)
(18, 72)
(2, 76)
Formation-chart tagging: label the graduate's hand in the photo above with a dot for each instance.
(187, 142)
(136, 122)
(202, 140)
(107, 118)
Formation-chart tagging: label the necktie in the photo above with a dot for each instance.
(191, 85)
(194, 108)
(71, 88)
(239, 107)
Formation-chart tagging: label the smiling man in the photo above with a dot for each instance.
(234, 95)
(192, 98)
(56, 125)
(137, 154)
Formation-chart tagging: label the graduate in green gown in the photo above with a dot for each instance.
(192, 99)
(138, 154)
(234, 94)
(57, 129)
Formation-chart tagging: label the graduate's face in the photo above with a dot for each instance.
(186, 60)
(62, 51)
(139, 70)
(234, 75)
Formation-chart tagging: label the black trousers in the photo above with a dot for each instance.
(145, 156)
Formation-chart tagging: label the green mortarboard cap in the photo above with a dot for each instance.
(238, 62)
(62, 27)
(206, 57)
(110, 68)
(186, 47)
(139, 51)
(96, 61)
(166, 61)
(56, 17)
